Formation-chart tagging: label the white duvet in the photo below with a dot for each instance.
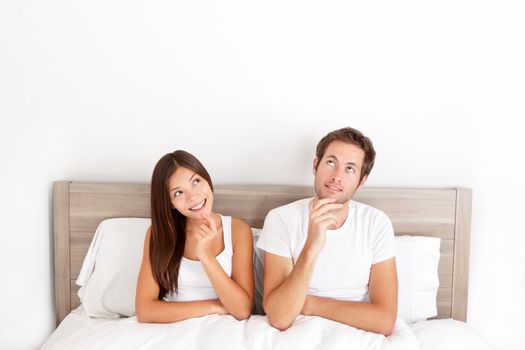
(78, 331)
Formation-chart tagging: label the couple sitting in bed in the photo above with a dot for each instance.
(325, 256)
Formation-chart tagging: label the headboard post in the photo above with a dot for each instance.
(61, 246)
(461, 254)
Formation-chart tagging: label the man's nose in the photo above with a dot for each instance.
(337, 175)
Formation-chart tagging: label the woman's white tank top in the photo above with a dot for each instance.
(194, 284)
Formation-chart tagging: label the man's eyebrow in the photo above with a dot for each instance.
(175, 188)
(348, 163)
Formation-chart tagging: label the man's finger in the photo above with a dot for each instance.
(327, 220)
(325, 209)
(316, 202)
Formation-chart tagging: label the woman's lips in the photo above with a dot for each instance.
(199, 206)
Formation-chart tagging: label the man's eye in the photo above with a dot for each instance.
(350, 170)
(330, 162)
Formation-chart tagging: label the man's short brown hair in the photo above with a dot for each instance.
(353, 137)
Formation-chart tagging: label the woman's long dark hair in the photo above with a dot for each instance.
(168, 224)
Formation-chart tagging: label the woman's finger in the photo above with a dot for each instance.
(206, 230)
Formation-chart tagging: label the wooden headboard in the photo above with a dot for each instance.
(80, 206)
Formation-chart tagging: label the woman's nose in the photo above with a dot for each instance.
(192, 195)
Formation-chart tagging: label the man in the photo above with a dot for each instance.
(330, 256)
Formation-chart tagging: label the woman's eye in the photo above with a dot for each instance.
(177, 193)
(196, 181)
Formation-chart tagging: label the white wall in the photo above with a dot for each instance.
(100, 90)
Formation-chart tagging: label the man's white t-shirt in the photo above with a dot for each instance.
(342, 270)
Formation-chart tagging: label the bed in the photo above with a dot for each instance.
(79, 208)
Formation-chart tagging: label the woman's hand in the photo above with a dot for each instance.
(206, 234)
(219, 308)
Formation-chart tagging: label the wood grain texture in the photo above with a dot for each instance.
(75, 300)
(461, 254)
(93, 202)
(61, 247)
(443, 213)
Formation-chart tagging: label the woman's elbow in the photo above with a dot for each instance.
(140, 312)
(141, 318)
(243, 313)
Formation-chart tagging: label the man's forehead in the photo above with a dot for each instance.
(345, 152)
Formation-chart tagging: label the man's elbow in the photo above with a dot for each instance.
(276, 320)
(279, 323)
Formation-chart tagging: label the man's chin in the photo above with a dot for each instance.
(338, 197)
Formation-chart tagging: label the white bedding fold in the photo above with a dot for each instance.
(78, 331)
(89, 261)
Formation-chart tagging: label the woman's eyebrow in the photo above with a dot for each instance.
(175, 188)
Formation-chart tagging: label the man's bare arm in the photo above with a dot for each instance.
(286, 285)
(378, 315)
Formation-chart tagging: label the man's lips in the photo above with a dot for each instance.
(333, 188)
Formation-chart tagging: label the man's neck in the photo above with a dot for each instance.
(342, 215)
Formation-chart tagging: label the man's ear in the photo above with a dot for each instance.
(316, 161)
(362, 182)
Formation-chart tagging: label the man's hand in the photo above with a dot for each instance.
(322, 217)
(308, 306)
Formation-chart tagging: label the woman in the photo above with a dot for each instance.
(196, 262)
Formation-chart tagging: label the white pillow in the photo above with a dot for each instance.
(110, 270)
(417, 260)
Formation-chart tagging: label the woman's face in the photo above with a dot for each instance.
(190, 193)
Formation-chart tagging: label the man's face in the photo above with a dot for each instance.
(338, 172)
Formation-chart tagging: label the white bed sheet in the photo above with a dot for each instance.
(78, 331)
